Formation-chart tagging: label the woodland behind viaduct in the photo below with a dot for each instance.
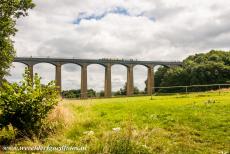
(107, 63)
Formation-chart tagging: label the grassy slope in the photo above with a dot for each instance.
(194, 123)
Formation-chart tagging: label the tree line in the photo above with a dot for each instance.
(76, 93)
(199, 69)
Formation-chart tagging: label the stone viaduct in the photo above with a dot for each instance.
(107, 63)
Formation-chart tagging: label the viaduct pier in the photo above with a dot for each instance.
(106, 63)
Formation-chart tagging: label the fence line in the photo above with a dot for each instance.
(219, 86)
(207, 85)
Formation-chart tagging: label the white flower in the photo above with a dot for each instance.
(89, 132)
(144, 146)
(117, 129)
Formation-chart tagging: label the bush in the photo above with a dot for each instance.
(7, 135)
(26, 105)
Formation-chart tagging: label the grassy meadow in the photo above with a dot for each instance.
(180, 123)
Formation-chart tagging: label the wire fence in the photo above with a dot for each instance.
(170, 90)
(189, 88)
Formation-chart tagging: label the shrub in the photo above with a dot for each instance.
(25, 105)
(7, 135)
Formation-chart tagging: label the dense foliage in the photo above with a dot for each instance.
(123, 91)
(10, 10)
(92, 93)
(77, 93)
(26, 104)
(209, 68)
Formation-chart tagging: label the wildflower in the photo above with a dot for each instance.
(89, 132)
(145, 146)
(116, 129)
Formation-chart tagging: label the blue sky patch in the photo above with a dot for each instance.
(85, 16)
(120, 10)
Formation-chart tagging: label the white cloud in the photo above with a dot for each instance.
(152, 30)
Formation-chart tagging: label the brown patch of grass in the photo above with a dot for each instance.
(61, 114)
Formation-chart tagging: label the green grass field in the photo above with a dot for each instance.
(193, 123)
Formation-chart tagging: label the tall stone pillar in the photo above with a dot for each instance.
(108, 87)
(58, 77)
(150, 80)
(84, 81)
(130, 87)
(31, 71)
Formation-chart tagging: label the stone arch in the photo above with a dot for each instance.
(122, 64)
(101, 64)
(140, 77)
(45, 62)
(45, 70)
(16, 72)
(144, 65)
(96, 77)
(74, 63)
(22, 62)
(157, 66)
(70, 76)
(119, 76)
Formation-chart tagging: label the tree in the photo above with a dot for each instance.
(10, 11)
(77, 93)
(71, 93)
(136, 91)
(159, 75)
(102, 93)
(123, 91)
(210, 68)
(91, 93)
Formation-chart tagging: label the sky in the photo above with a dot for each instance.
(137, 29)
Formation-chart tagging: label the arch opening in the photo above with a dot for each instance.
(95, 80)
(140, 75)
(46, 71)
(16, 72)
(119, 79)
(71, 80)
(71, 77)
